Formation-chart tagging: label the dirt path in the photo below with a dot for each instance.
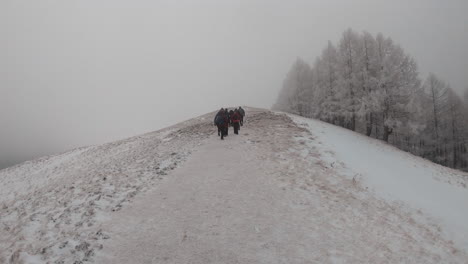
(220, 207)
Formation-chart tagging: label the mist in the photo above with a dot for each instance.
(76, 73)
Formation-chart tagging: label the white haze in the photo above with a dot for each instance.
(75, 73)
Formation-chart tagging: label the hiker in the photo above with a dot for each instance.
(235, 119)
(226, 111)
(221, 121)
(231, 112)
(237, 111)
(242, 114)
(217, 114)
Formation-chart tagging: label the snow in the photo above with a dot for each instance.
(286, 190)
(438, 191)
(51, 208)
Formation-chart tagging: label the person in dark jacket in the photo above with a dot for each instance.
(237, 111)
(221, 121)
(231, 112)
(226, 111)
(242, 113)
(218, 114)
(235, 119)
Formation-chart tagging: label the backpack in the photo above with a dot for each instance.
(241, 111)
(219, 120)
(235, 117)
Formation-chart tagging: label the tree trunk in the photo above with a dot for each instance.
(454, 145)
(369, 125)
(387, 132)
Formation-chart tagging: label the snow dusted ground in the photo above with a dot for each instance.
(437, 191)
(271, 195)
(286, 190)
(51, 208)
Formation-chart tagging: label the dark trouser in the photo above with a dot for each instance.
(236, 127)
(222, 129)
(242, 121)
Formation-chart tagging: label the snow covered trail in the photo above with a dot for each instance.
(437, 191)
(280, 192)
(269, 196)
(220, 207)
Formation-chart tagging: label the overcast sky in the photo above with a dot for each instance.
(84, 72)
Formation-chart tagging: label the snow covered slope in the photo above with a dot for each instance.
(286, 190)
(438, 191)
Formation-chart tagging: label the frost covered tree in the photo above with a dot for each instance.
(443, 139)
(296, 92)
(349, 93)
(363, 82)
(370, 85)
(456, 129)
(370, 70)
(436, 90)
(326, 99)
(397, 83)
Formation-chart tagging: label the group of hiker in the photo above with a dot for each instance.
(225, 118)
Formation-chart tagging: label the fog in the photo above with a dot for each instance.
(76, 73)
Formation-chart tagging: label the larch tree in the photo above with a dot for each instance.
(455, 129)
(295, 86)
(398, 83)
(326, 85)
(370, 85)
(436, 90)
(348, 88)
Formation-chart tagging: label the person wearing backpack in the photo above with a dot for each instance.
(242, 114)
(215, 123)
(221, 121)
(228, 116)
(235, 119)
(237, 111)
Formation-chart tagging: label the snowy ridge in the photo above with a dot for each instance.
(286, 190)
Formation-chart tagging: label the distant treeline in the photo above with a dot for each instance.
(370, 85)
